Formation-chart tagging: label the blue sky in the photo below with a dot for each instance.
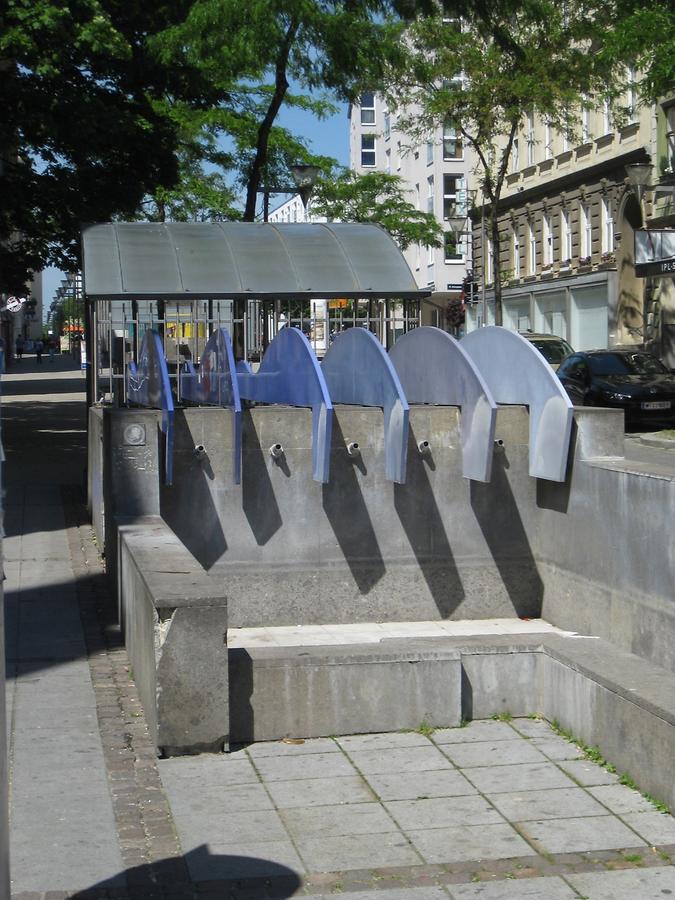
(329, 137)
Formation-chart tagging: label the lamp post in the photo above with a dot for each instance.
(457, 225)
(304, 176)
(639, 175)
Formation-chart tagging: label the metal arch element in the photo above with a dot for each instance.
(516, 373)
(359, 371)
(216, 384)
(148, 385)
(434, 368)
(290, 373)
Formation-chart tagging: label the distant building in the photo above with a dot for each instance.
(437, 175)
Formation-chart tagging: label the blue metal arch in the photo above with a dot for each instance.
(290, 373)
(434, 368)
(516, 373)
(148, 385)
(216, 384)
(358, 371)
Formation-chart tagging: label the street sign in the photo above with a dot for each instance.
(14, 304)
(654, 252)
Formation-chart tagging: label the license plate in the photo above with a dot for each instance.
(655, 404)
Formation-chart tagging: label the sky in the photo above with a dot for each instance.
(329, 137)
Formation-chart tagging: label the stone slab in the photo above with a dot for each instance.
(580, 835)
(476, 842)
(647, 884)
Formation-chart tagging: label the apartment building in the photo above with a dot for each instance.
(567, 221)
(437, 174)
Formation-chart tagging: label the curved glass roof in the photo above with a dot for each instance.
(183, 260)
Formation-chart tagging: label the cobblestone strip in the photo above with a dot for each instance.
(145, 827)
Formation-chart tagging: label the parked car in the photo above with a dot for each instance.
(632, 380)
(553, 348)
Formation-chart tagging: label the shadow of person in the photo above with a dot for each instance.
(197, 872)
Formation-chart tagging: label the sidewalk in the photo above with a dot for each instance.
(497, 810)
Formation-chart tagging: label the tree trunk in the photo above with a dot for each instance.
(260, 159)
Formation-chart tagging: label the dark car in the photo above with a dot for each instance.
(553, 348)
(632, 380)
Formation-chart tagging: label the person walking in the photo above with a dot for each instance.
(38, 351)
(51, 346)
(19, 347)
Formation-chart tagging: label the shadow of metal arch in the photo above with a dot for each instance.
(516, 373)
(433, 368)
(358, 371)
(216, 384)
(148, 385)
(290, 373)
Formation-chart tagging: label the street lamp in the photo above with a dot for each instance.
(638, 180)
(457, 225)
(305, 176)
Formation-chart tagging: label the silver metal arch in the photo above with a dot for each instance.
(358, 371)
(434, 368)
(216, 384)
(148, 385)
(516, 373)
(290, 373)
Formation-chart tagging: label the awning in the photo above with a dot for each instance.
(185, 260)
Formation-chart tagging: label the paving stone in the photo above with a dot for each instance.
(210, 769)
(334, 853)
(508, 779)
(394, 741)
(316, 765)
(620, 799)
(557, 748)
(559, 803)
(411, 759)
(655, 827)
(588, 773)
(244, 860)
(319, 792)
(628, 884)
(481, 730)
(420, 785)
(216, 800)
(352, 818)
(242, 827)
(423, 893)
(532, 728)
(580, 835)
(493, 753)
(447, 845)
(553, 888)
(443, 813)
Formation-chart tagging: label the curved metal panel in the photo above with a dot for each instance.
(358, 371)
(243, 259)
(216, 384)
(148, 385)
(433, 368)
(290, 373)
(516, 373)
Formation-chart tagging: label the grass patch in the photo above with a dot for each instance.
(425, 729)
(503, 717)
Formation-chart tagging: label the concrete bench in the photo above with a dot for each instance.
(174, 620)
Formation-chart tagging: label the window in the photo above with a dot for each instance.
(515, 251)
(430, 194)
(387, 162)
(607, 227)
(452, 142)
(368, 108)
(515, 156)
(452, 246)
(530, 139)
(565, 236)
(417, 197)
(547, 242)
(606, 117)
(387, 126)
(418, 255)
(488, 261)
(367, 150)
(398, 156)
(531, 249)
(430, 256)
(548, 140)
(586, 135)
(430, 152)
(586, 235)
(632, 98)
(452, 196)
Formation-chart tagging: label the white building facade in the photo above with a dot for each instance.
(436, 174)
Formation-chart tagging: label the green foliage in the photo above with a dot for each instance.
(425, 729)
(379, 198)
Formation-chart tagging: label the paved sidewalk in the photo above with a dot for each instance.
(497, 810)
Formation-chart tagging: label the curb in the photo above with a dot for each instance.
(653, 440)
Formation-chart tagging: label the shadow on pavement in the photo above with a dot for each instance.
(197, 874)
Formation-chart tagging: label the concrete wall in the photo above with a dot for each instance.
(175, 631)
(592, 554)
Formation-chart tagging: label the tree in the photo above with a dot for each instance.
(376, 197)
(482, 76)
(82, 139)
(319, 46)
